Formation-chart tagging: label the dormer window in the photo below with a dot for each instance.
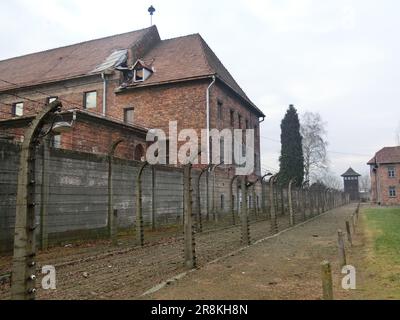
(141, 72)
(138, 75)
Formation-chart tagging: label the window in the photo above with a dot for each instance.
(392, 172)
(222, 202)
(221, 150)
(247, 124)
(129, 115)
(51, 99)
(240, 121)
(18, 109)
(90, 101)
(138, 75)
(220, 104)
(232, 118)
(392, 192)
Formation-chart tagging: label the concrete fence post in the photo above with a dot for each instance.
(44, 194)
(282, 195)
(190, 244)
(139, 206)
(263, 198)
(254, 196)
(274, 222)
(348, 230)
(327, 283)
(290, 200)
(114, 233)
(199, 215)
(353, 225)
(23, 281)
(110, 221)
(244, 214)
(153, 198)
(303, 202)
(207, 195)
(231, 200)
(342, 249)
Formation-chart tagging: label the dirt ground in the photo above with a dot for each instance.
(285, 267)
(98, 271)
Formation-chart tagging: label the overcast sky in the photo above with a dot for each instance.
(336, 57)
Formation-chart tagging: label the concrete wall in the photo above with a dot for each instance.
(78, 194)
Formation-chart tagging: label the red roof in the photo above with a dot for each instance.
(66, 62)
(172, 60)
(188, 57)
(386, 155)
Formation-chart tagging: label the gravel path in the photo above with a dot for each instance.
(98, 271)
(284, 267)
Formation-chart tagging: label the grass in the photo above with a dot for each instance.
(381, 259)
(384, 226)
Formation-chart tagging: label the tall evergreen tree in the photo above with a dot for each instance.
(292, 159)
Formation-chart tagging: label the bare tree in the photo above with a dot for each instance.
(365, 183)
(314, 145)
(330, 180)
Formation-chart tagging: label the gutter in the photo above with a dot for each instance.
(103, 76)
(208, 118)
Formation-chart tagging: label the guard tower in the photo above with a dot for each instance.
(351, 184)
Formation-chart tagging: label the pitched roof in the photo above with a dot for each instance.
(65, 62)
(188, 57)
(351, 173)
(177, 59)
(386, 155)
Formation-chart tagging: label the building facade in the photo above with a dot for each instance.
(385, 176)
(135, 79)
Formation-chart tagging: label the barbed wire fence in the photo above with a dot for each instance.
(108, 223)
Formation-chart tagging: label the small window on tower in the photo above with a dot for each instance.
(392, 172)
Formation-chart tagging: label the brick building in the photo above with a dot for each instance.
(385, 176)
(133, 80)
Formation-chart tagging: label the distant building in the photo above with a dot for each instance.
(351, 184)
(385, 176)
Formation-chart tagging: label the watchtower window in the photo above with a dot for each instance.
(392, 172)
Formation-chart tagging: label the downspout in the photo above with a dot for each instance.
(208, 119)
(103, 76)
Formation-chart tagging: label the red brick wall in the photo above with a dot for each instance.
(154, 106)
(380, 183)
